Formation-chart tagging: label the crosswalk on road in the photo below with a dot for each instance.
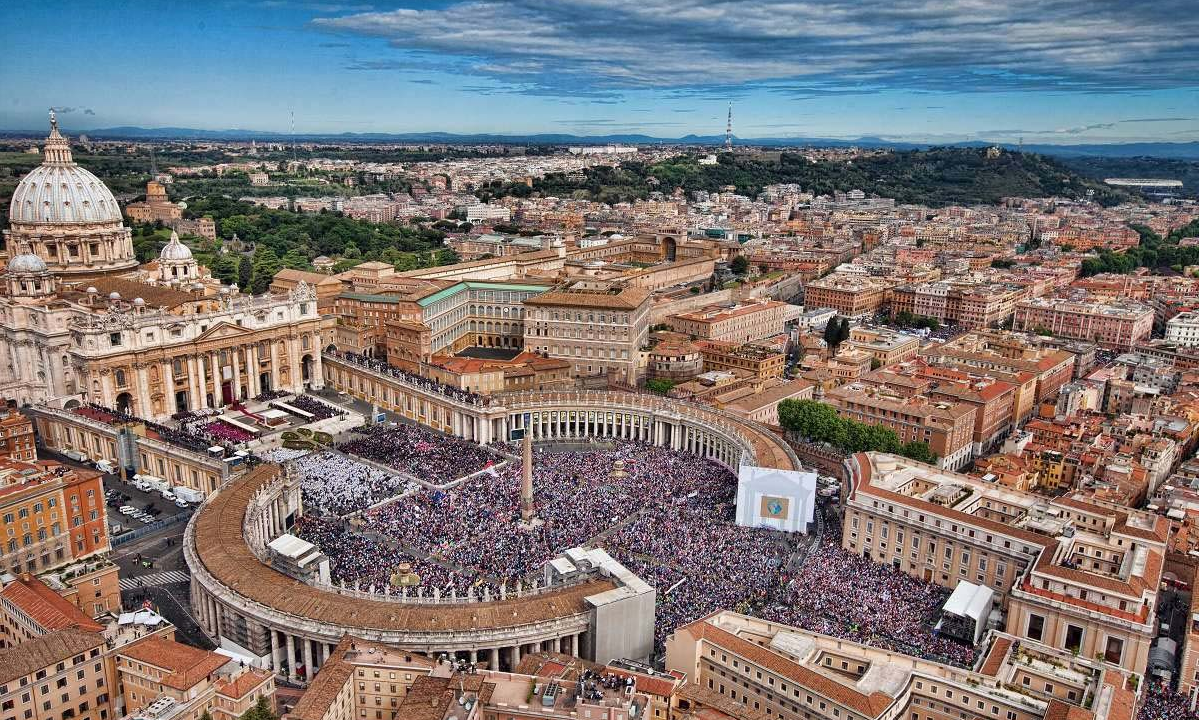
(162, 578)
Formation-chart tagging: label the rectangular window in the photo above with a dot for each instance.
(1036, 627)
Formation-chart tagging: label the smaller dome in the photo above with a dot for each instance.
(139, 302)
(175, 250)
(91, 290)
(26, 263)
(114, 295)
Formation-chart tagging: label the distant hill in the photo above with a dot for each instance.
(935, 177)
(1185, 150)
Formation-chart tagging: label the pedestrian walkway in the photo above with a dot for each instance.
(162, 578)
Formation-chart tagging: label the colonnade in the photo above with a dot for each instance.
(297, 656)
(621, 424)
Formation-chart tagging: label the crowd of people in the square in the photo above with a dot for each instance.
(1161, 703)
(669, 517)
(420, 452)
(837, 593)
(333, 485)
(317, 409)
(424, 383)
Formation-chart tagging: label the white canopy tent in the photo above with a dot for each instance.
(779, 499)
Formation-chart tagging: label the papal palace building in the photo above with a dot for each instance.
(80, 324)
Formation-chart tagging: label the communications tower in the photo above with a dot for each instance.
(728, 131)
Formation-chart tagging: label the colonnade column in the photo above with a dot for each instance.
(274, 365)
(291, 658)
(214, 367)
(309, 669)
(276, 660)
(235, 360)
(252, 361)
(493, 658)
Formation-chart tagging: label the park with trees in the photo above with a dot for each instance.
(817, 422)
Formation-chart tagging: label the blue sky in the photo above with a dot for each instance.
(924, 70)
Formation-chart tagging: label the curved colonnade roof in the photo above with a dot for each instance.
(224, 552)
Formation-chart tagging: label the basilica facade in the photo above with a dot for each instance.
(80, 322)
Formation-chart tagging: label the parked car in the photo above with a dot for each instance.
(180, 503)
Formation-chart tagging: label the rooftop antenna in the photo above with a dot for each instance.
(728, 131)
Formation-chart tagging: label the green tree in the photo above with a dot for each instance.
(244, 269)
(659, 386)
(919, 451)
(446, 256)
(262, 710)
(831, 332)
(264, 266)
(293, 259)
(843, 331)
(739, 265)
(225, 269)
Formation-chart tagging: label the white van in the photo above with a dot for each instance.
(168, 495)
(106, 467)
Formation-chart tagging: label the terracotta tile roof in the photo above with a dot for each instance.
(223, 550)
(717, 706)
(328, 684)
(185, 665)
(45, 607)
(995, 657)
(1058, 710)
(626, 298)
(154, 295)
(872, 705)
(33, 655)
(659, 686)
(1123, 702)
(243, 684)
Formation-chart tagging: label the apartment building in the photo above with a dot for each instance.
(757, 361)
(991, 399)
(1183, 329)
(971, 305)
(364, 680)
(599, 327)
(30, 609)
(947, 427)
(52, 517)
(849, 295)
(60, 675)
(163, 678)
(1073, 575)
(747, 667)
(16, 434)
(1122, 324)
(740, 323)
(997, 351)
(884, 345)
